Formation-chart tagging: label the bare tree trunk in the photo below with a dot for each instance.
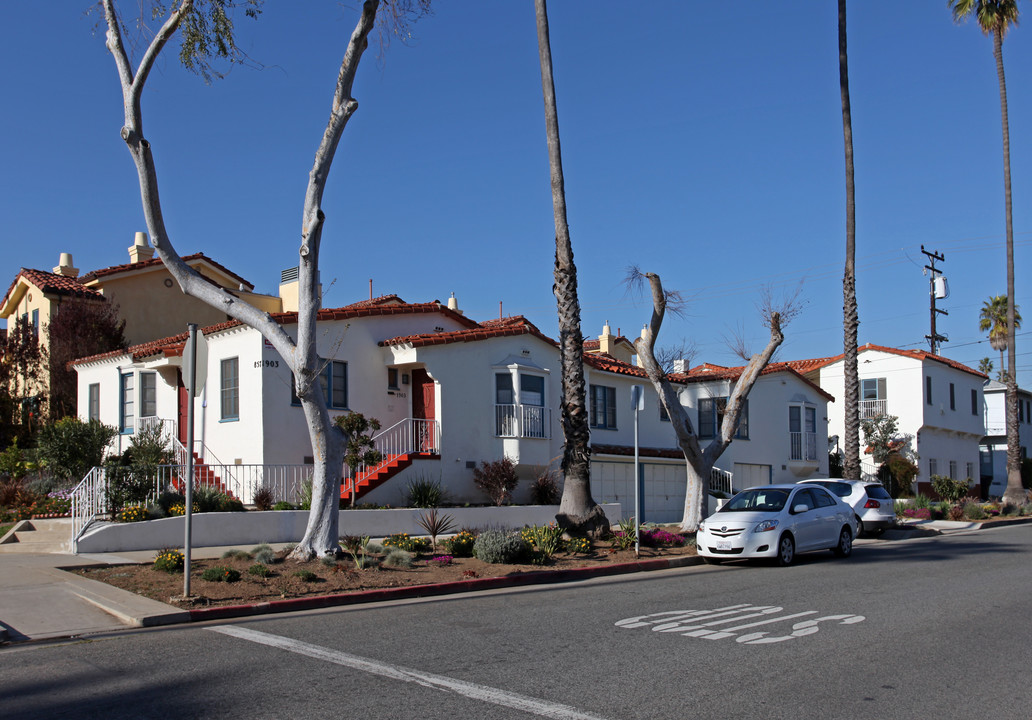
(1014, 494)
(850, 317)
(699, 461)
(578, 512)
(321, 534)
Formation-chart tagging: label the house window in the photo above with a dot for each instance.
(503, 389)
(928, 389)
(953, 397)
(392, 378)
(663, 414)
(933, 467)
(93, 413)
(802, 432)
(603, 407)
(953, 469)
(974, 402)
(971, 471)
(35, 323)
(333, 379)
(229, 389)
(126, 401)
(148, 394)
(711, 417)
(532, 390)
(872, 398)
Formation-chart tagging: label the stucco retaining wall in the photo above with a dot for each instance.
(248, 529)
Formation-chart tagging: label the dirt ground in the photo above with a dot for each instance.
(341, 576)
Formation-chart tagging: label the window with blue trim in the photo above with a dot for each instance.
(711, 417)
(127, 413)
(603, 407)
(333, 379)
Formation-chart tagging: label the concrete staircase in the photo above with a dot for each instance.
(367, 481)
(38, 536)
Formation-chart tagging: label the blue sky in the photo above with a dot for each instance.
(702, 141)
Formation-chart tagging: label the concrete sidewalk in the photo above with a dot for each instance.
(41, 601)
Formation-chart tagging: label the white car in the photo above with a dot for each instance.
(777, 521)
(870, 501)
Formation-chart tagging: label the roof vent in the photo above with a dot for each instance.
(289, 275)
(65, 266)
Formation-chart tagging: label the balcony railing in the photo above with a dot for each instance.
(870, 409)
(804, 445)
(527, 421)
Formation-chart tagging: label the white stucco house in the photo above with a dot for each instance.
(450, 393)
(937, 400)
(994, 445)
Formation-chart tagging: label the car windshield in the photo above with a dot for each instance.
(757, 500)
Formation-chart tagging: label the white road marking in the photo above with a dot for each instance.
(688, 623)
(483, 693)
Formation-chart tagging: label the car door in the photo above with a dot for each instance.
(805, 524)
(829, 515)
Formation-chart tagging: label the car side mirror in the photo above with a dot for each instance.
(800, 508)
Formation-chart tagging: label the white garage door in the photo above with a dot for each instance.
(748, 474)
(664, 485)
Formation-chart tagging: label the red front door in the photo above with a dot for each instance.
(423, 408)
(182, 406)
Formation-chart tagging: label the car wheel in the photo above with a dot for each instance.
(712, 560)
(859, 526)
(845, 543)
(786, 550)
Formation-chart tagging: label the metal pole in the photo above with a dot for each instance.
(637, 483)
(190, 381)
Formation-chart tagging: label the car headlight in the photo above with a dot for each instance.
(766, 526)
(702, 526)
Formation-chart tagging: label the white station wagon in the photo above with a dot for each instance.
(777, 521)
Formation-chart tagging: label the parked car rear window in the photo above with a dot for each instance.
(877, 492)
(839, 488)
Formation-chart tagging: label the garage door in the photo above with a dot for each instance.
(748, 474)
(664, 484)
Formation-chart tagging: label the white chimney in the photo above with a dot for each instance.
(453, 304)
(141, 249)
(65, 266)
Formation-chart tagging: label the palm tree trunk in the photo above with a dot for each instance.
(578, 512)
(850, 316)
(1014, 493)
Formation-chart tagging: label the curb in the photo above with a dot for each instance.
(434, 590)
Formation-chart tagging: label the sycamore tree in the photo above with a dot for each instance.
(205, 28)
(579, 514)
(699, 459)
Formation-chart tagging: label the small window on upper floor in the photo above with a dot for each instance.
(953, 397)
(928, 389)
(392, 378)
(974, 402)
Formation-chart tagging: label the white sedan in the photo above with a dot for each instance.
(777, 521)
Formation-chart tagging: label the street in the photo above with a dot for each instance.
(931, 627)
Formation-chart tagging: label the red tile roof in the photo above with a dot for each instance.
(53, 284)
(129, 267)
(704, 372)
(807, 366)
(503, 327)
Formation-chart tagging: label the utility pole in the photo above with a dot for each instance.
(934, 338)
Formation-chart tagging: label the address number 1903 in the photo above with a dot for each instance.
(266, 363)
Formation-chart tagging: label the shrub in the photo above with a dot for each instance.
(974, 511)
(70, 447)
(460, 544)
(259, 570)
(922, 501)
(179, 509)
(305, 575)
(11, 463)
(956, 512)
(264, 554)
(440, 560)
(546, 539)
(305, 495)
(901, 472)
(398, 558)
(403, 541)
(624, 537)
(236, 555)
(220, 573)
(657, 537)
(148, 448)
(578, 545)
(169, 497)
(425, 493)
(128, 485)
(435, 525)
(498, 479)
(133, 513)
(263, 499)
(169, 560)
(545, 490)
(283, 505)
(355, 546)
(950, 490)
(498, 546)
(211, 499)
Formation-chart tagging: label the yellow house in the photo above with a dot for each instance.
(142, 290)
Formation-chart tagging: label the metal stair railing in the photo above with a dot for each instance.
(411, 435)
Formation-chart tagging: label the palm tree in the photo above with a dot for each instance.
(578, 512)
(993, 317)
(850, 317)
(995, 18)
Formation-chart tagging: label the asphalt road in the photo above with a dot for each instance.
(935, 627)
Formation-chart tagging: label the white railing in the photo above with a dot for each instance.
(528, 421)
(89, 501)
(870, 409)
(803, 445)
(412, 435)
(721, 481)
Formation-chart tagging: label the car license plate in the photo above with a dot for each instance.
(723, 544)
